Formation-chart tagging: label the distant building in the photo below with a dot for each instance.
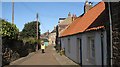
(62, 24)
(45, 35)
(52, 37)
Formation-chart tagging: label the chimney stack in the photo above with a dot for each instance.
(54, 27)
(73, 17)
(69, 15)
(87, 6)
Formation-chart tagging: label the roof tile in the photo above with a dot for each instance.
(82, 23)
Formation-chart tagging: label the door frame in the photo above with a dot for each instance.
(79, 51)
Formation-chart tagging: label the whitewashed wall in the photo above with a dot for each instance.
(73, 43)
(98, 54)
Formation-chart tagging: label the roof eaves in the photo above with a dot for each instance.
(95, 28)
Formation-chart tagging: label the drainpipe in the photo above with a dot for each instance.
(102, 48)
(110, 47)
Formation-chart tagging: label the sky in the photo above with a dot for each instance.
(49, 12)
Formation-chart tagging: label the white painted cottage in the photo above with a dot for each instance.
(84, 40)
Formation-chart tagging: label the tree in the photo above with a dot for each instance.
(8, 31)
(30, 30)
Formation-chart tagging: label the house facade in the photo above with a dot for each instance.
(62, 24)
(52, 37)
(85, 39)
(86, 48)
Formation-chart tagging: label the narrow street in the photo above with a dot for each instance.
(87, 32)
(50, 57)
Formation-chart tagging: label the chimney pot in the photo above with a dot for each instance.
(90, 3)
(86, 2)
(73, 15)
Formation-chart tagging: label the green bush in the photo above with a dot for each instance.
(9, 33)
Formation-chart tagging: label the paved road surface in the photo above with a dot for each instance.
(42, 59)
(50, 57)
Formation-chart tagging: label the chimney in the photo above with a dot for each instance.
(69, 15)
(48, 34)
(48, 31)
(54, 27)
(87, 6)
(73, 17)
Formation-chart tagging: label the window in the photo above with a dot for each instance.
(91, 48)
(69, 45)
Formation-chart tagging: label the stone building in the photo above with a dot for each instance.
(115, 21)
(52, 37)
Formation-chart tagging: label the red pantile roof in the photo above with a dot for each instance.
(81, 24)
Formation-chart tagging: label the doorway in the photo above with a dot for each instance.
(79, 51)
